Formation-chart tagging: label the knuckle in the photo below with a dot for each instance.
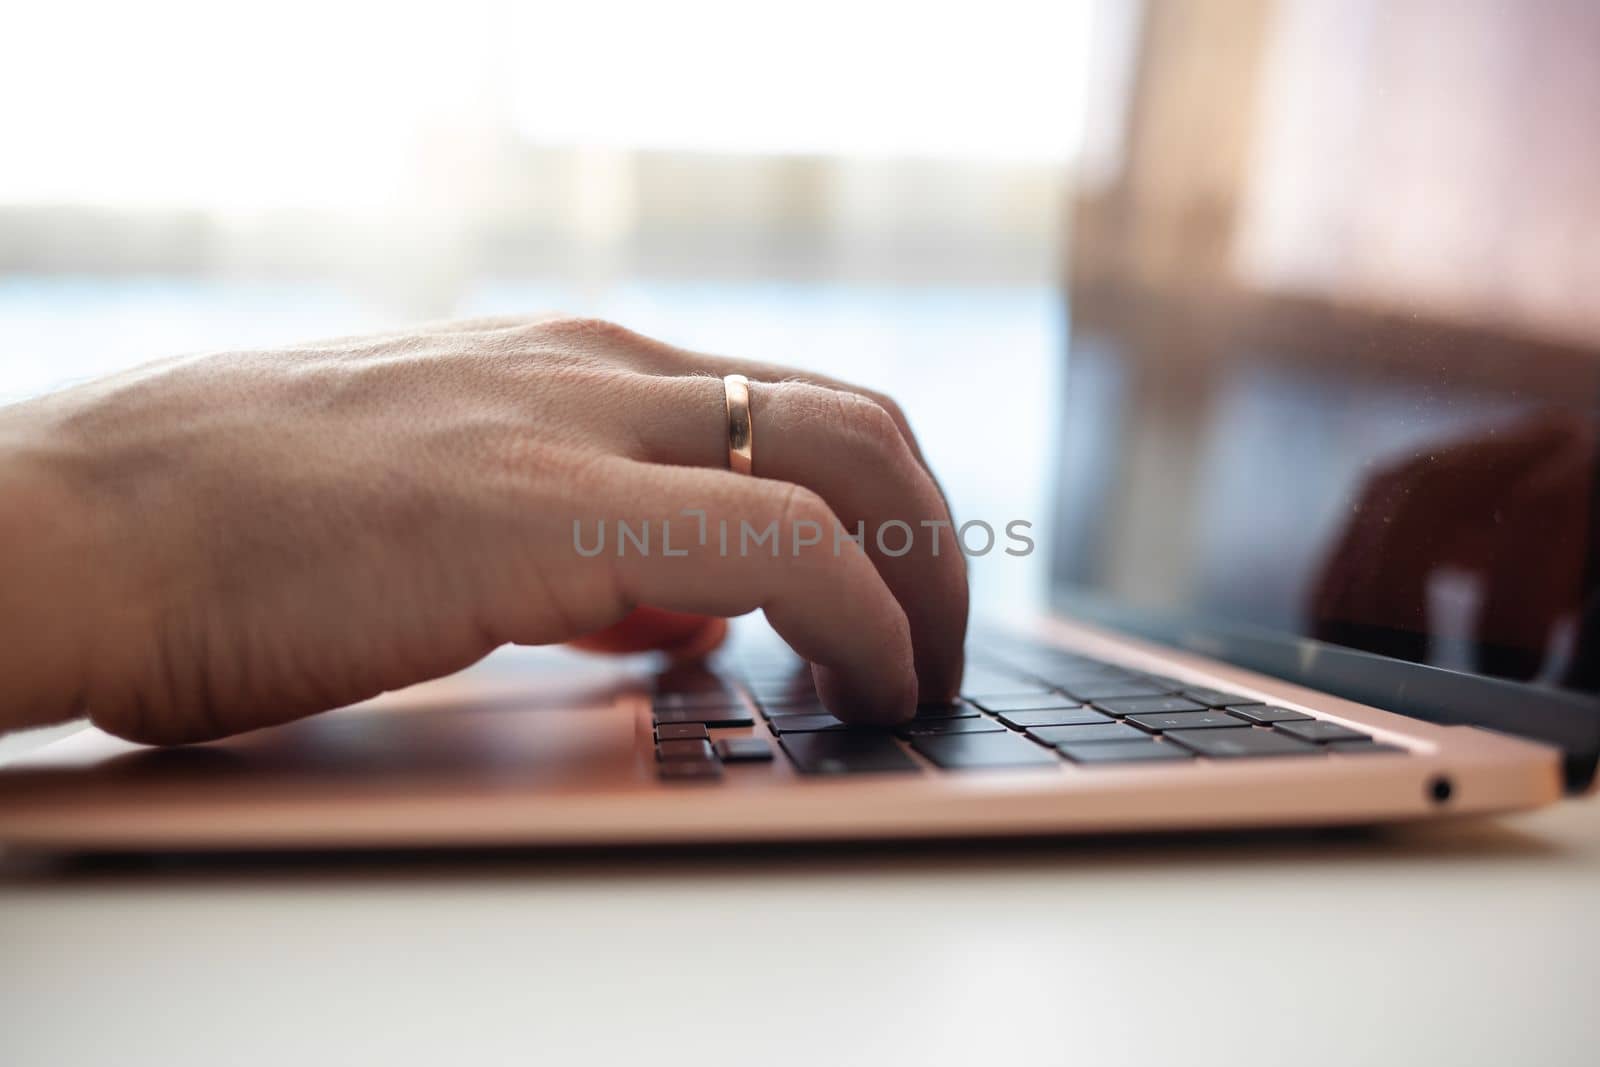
(867, 421)
(583, 330)
(799, 504)
(889, 404)
(576, 475)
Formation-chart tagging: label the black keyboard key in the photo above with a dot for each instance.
(1321, 731)
(1022, 720)
(690, 770)
(956, 709)
(683, 750)
(1147, 751)
(1098, 691)
(1216, 698)
(704, 716)
(807, 724)
(1187, 720)
(1080, 735)
(847, 753)
(1266, 714)
(922, 727)
(966, 752)
(1368, 746)
(1162, 681)
(743, 750)
(1147, 705)
(1236, 744)
(682, 731)
(1027, 703)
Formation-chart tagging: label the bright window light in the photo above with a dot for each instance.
(322, 104)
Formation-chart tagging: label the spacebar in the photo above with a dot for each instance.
(844, 752)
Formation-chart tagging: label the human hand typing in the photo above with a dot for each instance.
(213, 544)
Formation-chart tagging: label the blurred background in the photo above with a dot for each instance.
(871, 190)
(876, 190)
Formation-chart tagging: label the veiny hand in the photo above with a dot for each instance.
(209, 545)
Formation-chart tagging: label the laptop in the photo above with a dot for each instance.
(1324, 547)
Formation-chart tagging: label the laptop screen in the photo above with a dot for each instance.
(1334, 375)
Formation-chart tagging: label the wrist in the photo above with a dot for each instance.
(45, 560)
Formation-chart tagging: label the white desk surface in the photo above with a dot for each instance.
(1459, 944)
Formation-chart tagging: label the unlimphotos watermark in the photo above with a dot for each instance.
(892, 537)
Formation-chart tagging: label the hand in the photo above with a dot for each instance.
(209, 545)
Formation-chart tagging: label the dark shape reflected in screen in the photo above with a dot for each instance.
(1503, 514)
(1335, 365)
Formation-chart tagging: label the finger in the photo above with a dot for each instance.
(830, 605)
(849, 451)
(669, 360)
(758, 371)
(611, 341)
(649, 629)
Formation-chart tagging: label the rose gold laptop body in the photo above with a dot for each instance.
(541, 748)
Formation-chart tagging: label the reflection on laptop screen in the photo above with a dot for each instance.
(1335, 298)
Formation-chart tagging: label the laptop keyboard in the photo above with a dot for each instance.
(1021, 707)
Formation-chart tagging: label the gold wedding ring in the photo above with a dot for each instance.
(741, 436)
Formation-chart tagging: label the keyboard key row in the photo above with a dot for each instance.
(696, 759)
(1073, 735)
(924, 727)
(1188, 720)
(1025, 703)
(1022, 720)
(1021, 712)
(1147, 705)
(703, 716)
